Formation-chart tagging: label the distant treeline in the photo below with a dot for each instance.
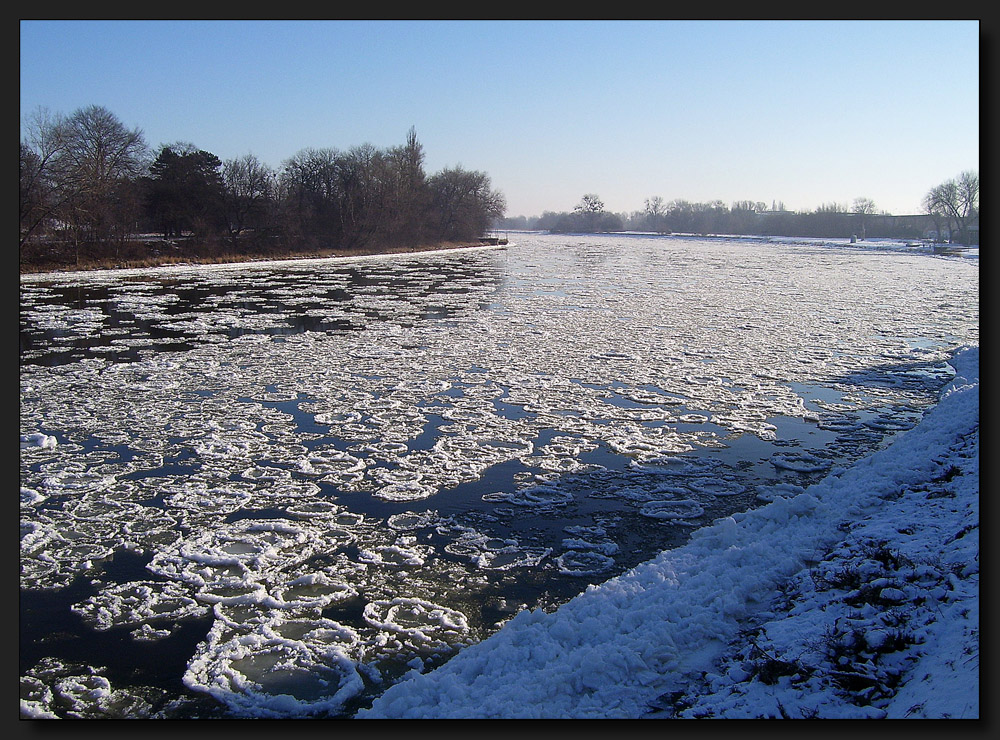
(951, 213)
(93, 189)
(87, 181)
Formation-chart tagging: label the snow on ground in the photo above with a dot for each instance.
(858, 598)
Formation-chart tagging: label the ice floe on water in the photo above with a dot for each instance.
(139, 604)
(37, 439)
(677, 509)
(278, 668)
(336, 472)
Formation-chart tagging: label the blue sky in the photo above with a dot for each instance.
(801, 112)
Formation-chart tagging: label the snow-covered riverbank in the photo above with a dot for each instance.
(858, 598)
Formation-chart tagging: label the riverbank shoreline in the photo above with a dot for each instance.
(239, 259)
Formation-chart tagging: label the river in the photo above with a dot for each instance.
(272, 489)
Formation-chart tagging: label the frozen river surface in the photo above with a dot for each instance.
(272, 489)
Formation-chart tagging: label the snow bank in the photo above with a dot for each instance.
(618, 647)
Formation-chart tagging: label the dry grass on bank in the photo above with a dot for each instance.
(40, 263)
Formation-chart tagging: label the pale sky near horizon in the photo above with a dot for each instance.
(801, 112)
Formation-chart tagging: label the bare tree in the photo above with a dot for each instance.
(41, 194)
(464, 203)
(956, 201)
(743, 216)
(863, 207)
(334, 198)
(361, 195)
(249, 187)
(308, 183)
(588, 213)
(98, 156)
(589, 203)
(411, 197)
(656, 215)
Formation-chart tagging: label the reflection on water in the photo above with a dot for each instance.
(279, 487)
